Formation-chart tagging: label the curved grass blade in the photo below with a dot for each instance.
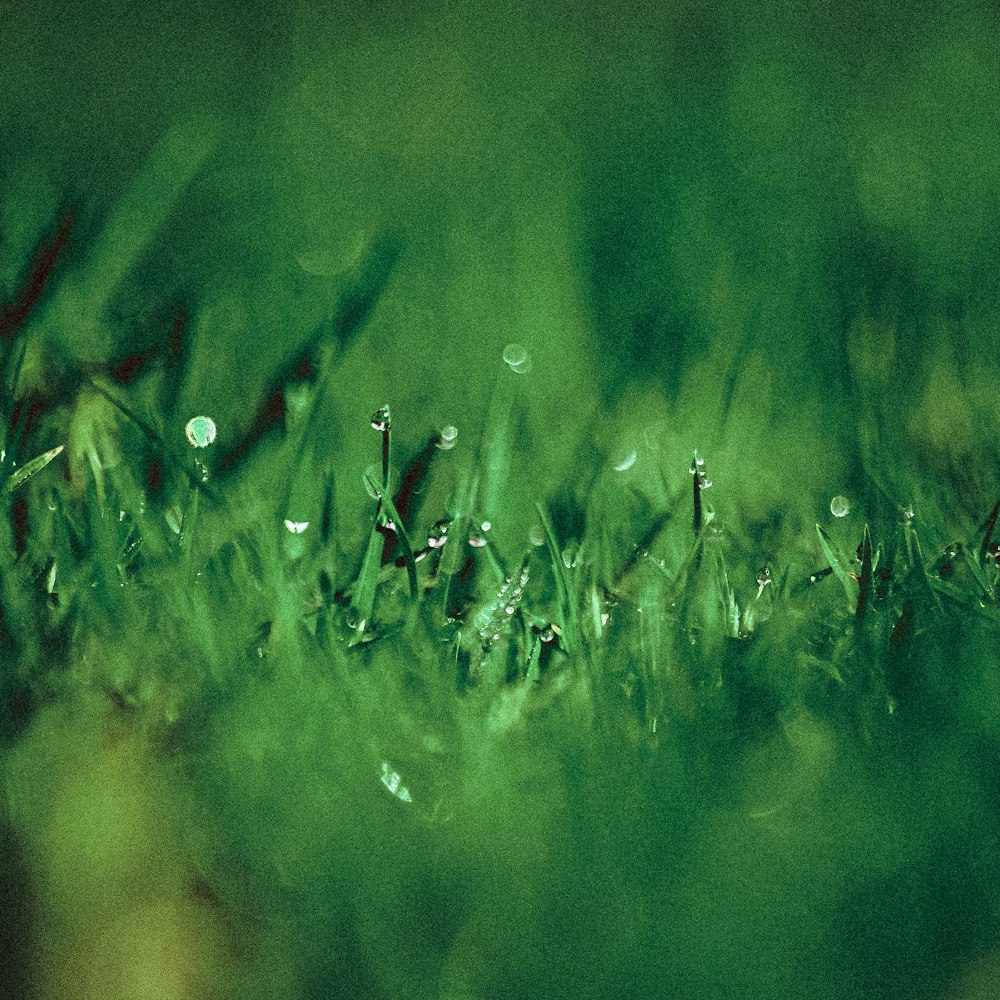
(26, 471)
(836, 564)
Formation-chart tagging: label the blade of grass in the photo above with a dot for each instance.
(570, 628)
(836, 564)
(26, 471)
(363, 604)
(865, 583)
(977, 572)
(404, 538)
(991, 523)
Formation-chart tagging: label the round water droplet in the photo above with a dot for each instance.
(537, 536)
(354, 619)
(703, 482)
(840, 506)
(570, 554)
(764, 576)
(699, 461)
(547, 635)
(382, 419)
(517, 358)
(200, 431)
(447, 437)
(477, 541)
(626, 462)
(908, 514)
(296, 527)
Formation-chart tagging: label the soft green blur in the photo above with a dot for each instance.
(765, 235)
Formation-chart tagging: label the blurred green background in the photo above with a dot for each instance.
(765, 231)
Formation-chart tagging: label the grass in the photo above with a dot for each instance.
(660, 751)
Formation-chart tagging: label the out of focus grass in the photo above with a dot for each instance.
(641, 734)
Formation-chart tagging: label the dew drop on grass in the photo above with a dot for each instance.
(173, 518)
(840, 506)
(516, 357)
(547, 635)
(200, 431)
(478, 538)
(625, 462)
(296, 527)
(381, 419)
(537, 536)
(570, 555)
(438, 534)
(393, 781)
(447, 437)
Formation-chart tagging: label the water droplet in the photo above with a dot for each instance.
(699, 461)
(704, 483)
(840, 506)
(382, 419)
(908, 514)
(173, 517)
(438, 534)
(536, 536)
(394, 783)
(953, 550)
(570, 555)
(626, 462)
(200, 431)
(509, 610)
(354, 619)
(50, 582)
(296, 527)
(517, 358)
(547, 635)
(477, 541)
(447, 437)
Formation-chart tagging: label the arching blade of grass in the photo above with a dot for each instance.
(837, 565)
(23, 474)
(570, 626)
(393, 514)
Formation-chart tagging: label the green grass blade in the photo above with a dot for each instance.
(363, 605)
(836, 565)
(23, 474)
(390, 508)
(570, 629)
(865, 584)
